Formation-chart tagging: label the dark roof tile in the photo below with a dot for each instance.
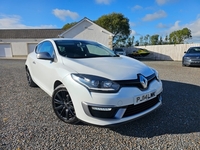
(29, 33)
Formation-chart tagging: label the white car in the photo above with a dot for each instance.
(89, 82)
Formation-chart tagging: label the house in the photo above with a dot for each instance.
(20, 42)
(88, 30)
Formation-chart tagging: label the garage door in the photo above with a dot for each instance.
(5, 50)
(31, 47)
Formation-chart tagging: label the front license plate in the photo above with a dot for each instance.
(145, 97)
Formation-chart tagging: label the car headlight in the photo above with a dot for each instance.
(187, 58)
(157, 74)
(95, 83)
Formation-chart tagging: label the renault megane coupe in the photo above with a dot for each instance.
(88, 82)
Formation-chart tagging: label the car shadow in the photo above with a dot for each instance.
(192, 66)
(159, 56)
(152, 56)
(179, 113)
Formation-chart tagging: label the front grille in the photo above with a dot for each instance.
(135, 82)
(195, 61)
(135, 109)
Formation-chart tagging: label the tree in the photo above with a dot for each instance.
(179, 36)
(117, 24)
(137, 43)
(130, 41)
(166, 39)
(160, 41)
(141, 40)
(154, 39)
(68, 25)
(146, 39)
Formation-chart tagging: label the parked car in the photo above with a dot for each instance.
(119, 51)
(139, 53)
(89, 82)
(192, 57)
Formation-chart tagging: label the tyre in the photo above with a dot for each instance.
(183, 65)
(31, 83)
(63, 106)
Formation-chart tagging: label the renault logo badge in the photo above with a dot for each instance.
(143, 81)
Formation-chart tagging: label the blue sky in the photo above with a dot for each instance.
(145, 16)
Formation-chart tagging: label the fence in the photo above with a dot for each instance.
(164, 52)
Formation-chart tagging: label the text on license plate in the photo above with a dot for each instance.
(145, 97)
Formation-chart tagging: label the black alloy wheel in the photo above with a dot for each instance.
(63, 106)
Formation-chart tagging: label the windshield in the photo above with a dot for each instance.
(194, 50)
(82, 49)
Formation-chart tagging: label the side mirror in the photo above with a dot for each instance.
(185, 52)
(44, 56)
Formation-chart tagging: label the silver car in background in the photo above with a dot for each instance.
(192, 57)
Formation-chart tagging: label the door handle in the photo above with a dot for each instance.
(34, 62)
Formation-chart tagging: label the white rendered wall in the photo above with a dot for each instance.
(89, 31)
(18, 47)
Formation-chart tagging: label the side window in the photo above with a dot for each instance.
(45, 47)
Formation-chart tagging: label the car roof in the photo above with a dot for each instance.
(68, 39)
(195, 47)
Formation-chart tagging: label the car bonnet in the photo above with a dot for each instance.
(114, 68)
(192, 55)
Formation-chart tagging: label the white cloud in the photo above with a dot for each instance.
(161, 25)
(133, 32)
(198, 16)
(14, 22)
(162, 2)
(45, 26)
(63, 14)
(103, 1)
(10, 21)
(175, 27)
(136, 7)
(132, 24)
(157, 15)
(193, 26)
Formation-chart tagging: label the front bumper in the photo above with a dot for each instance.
(191, 61)
(106, 109)
(113, 112)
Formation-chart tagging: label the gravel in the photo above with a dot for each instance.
(27, 120)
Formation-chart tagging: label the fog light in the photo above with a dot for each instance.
(101, 108)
